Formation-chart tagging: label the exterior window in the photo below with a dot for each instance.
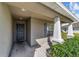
(45, 29)
(48, 29)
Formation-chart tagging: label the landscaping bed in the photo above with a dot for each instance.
(70, 48)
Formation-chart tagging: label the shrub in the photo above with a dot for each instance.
(70, 48)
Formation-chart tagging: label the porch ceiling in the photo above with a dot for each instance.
(35, 10)
(17, 12)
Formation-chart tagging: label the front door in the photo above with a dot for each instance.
(20, 31)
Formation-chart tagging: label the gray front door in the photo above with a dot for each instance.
(20, 31)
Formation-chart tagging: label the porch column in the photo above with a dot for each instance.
(57, 30)
(70, 31)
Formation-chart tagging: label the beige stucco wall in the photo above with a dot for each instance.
(37, 29)
(5, 30)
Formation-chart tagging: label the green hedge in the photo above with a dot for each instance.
(70, 48)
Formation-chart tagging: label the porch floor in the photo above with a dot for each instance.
(27, 51)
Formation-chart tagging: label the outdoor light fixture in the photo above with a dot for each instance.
(21, 18)
(23, 9)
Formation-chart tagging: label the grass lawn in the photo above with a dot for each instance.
(64, 35)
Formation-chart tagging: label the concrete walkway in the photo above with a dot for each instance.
(22, 51)
(41, 51)
(25, 51)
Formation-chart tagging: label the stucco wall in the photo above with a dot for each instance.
(5, 30)
(76, 29)
(37, 29)
(28, 31)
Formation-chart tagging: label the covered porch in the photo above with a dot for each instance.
(42, 20)
(39, 15)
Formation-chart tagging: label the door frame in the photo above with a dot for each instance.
(20, 22)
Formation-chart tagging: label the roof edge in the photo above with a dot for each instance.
(66, 13)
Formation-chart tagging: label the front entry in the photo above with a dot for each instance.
(20, 31)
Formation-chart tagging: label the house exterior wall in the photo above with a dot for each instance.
(28, 31)
(5, 30)
(37, 29)
(76, 29)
